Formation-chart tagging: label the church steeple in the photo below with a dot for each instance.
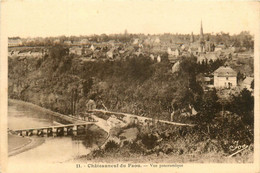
(201, 32)
(202, 42)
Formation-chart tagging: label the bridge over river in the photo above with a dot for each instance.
(58, 130)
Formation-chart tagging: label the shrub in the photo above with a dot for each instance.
(135, 147)
(149, 140)
(98, 153)
(111, 146)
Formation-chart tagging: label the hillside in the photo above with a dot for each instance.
(60, 81)
(65, 83)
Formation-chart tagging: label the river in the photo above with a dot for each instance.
(53, 149)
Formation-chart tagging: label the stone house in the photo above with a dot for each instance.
(75, 50)
(67, 42)
(220, 47)
(14, 42)
(110, 53)
(136, 41)
(92, 47)
(207, 57)
(84, 42)
(56, 41)
(176, 52)
(193, 50)
(225, 77)
(247, 83)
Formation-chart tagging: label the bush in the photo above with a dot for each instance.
(136, 148)
(111, 146)
(98, 153)
(149, 140)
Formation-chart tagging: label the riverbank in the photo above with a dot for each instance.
(19, 144)
(64, 118)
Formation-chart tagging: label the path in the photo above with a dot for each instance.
(142, 118)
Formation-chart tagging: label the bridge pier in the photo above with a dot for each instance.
(49, 132)
(40, 132)
(29, 132)
(44, 131)
(23, 133)
(54, 132)
(81, 129)
(35, 132)
(20, 133)
(60, 131)
(74, 130)
(69, 130)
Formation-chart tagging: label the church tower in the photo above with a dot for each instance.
(201, 31)
(202, 42)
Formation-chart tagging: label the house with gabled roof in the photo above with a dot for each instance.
(247, 83)
(67, 42)
(207, 57)
(75, 50)
(225, 77)
(84, 42)
(14, 42)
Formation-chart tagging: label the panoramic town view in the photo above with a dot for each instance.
(132, 97)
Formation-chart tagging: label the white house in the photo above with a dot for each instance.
(152, 57)
(67, 42)
(84, 41)
(14, 42)
(225, 77)
(220, 47)
(158, 58)
(176, 52)
(207, 57)
(75, 50)
(110, 53)
(92, 47)
(247, 83)
(169, 51)
(56, 41)
(136, 41)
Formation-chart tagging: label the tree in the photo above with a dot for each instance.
(87, 85)
(207, 108)
(240, 77)
(243, 105)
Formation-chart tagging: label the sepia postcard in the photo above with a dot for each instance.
(129, 86)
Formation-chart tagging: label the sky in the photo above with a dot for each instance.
(28, 18)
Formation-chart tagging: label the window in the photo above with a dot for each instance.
(226, 78)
